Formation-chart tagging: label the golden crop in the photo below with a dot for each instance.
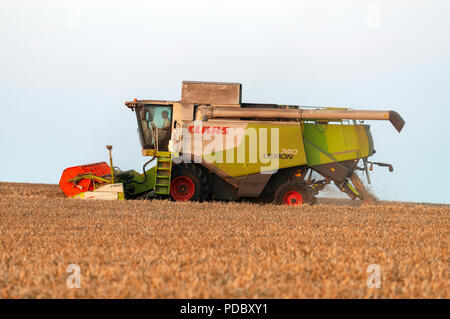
(163, 249)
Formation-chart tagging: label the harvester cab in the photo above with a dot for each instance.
(154, 125)
(211, 145)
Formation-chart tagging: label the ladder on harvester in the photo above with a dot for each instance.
(163, 173)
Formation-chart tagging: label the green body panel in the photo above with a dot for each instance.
(299, 144)
(290, 152)
(140, 178)
(325, 143)
(158, 177)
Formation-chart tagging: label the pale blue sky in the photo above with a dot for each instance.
(68, 66)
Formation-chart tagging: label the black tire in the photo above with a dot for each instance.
(195, 174)
(288, 191)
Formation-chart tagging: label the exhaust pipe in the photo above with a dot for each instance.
(206, 112)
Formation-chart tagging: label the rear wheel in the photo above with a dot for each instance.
(294, 193)
(189, 183)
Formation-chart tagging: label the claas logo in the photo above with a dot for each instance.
(208, 129)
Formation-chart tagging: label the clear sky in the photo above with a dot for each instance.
(68, 66)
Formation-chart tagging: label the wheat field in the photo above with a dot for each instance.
(164, 249)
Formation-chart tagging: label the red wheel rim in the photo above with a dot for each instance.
(293, 198)
(182, 188)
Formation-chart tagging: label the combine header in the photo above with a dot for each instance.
(211, 145)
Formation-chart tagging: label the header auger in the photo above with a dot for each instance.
(211, 146)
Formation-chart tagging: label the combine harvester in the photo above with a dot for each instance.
(211, 146)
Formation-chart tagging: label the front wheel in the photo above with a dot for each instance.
(189, 183)
(294, 193)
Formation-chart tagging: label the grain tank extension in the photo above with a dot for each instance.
(212, 146)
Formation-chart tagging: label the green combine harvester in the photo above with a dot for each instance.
(211, 146)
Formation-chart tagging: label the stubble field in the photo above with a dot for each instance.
(163, 249)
